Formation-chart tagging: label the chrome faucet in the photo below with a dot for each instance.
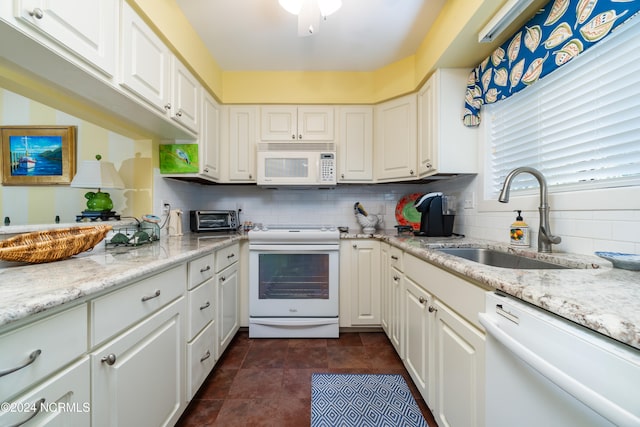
(545, 237)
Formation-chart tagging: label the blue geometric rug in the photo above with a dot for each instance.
(371, 400)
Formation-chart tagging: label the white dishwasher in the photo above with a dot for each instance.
(546, 371)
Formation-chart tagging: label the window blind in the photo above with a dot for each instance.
(580, 126)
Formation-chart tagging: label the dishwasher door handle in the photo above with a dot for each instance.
(595, 401)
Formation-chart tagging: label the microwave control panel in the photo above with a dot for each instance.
(327, 167)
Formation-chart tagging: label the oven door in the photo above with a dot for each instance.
(293, 280)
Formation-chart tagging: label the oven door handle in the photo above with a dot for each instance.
(294, 247)
(293, 322)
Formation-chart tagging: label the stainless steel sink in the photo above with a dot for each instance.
(496, 258)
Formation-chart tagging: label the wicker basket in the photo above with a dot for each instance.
(52, 245)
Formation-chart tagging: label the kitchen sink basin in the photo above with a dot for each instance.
(496, 258)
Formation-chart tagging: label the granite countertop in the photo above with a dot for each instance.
(29, 289)
(597, 296)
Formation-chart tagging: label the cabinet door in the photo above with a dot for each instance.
(185, 96)
(243, 135)
(365, 282)
(459, 370)
(86, 28)
(69, 388)
(396, 282)
(315, 123)
(355, 149)
(427, 128)
(146, 62)
(396, 139)
(417, 339)
(138, 379)
(279, 123)
(228, 305)
(385, 287)
(210, 137)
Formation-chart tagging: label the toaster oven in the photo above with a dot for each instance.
(213, 220)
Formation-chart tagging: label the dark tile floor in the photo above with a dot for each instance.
(267, 382)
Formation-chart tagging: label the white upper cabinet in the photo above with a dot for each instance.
(87, 29)
(396, 139)
(146, 61)
(297, 123)
(210, 137)
(355, 143)
(445, 145)
(185, 96)
(240, 142)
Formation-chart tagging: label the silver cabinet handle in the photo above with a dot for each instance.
(109, 359)
(432, 309)
(207, 268)
(222, 278)
(206, 356)
(355, 246)
(393, 257)
(179, 113)
(411, 172)
(206, 305)
(167, 106)
(206, 170)
(155, 295)
(38, 406)
(342, 175)
(422, 300)
(37, 13)
(293, 136)
(300, 136)
(230, 256)
(396, 278)
(32, 358)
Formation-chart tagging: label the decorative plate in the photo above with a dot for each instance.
(406, 214)
(619, 260)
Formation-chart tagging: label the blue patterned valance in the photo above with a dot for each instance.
(556, 34)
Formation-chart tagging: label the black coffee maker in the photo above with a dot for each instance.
(436, 218)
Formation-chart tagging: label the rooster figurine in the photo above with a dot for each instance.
(366, 221)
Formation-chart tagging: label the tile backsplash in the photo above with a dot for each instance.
(581, 231)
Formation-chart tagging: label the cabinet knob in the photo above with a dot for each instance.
(342, 175)
(167, 106)
(428, 165)
(423, 300)
(37, 13)
(293, 136)
(38, 408)
(300, 136)
(109, 359)
(206, 356)
(355, 246)
(206, 170)
(32, 358)
(250, 176)
(396, 278)
(411, 172)
(222, 278)
(432, 309)
(179, 114)
(156, 294)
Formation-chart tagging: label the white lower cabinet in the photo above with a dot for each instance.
(228, 305)
(137, 379)
(459, 370)
(418, 330)
(63, 400)
(360, 282)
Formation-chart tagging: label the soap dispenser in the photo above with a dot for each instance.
(519, 232)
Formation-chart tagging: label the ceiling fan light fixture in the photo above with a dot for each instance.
(327, 7)
(291, 6)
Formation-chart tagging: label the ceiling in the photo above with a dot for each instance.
(364, 35)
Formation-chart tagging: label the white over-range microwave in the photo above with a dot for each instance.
(296, 164)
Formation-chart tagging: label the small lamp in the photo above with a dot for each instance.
(97, 174)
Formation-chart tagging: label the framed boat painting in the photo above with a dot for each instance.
(38, 155)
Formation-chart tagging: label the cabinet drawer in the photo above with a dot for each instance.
(395, 258)
(200, 270)
(60, 339)
(201, 357)
(69, 387)
(202, 308)
(227, 256)
(120, 309)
